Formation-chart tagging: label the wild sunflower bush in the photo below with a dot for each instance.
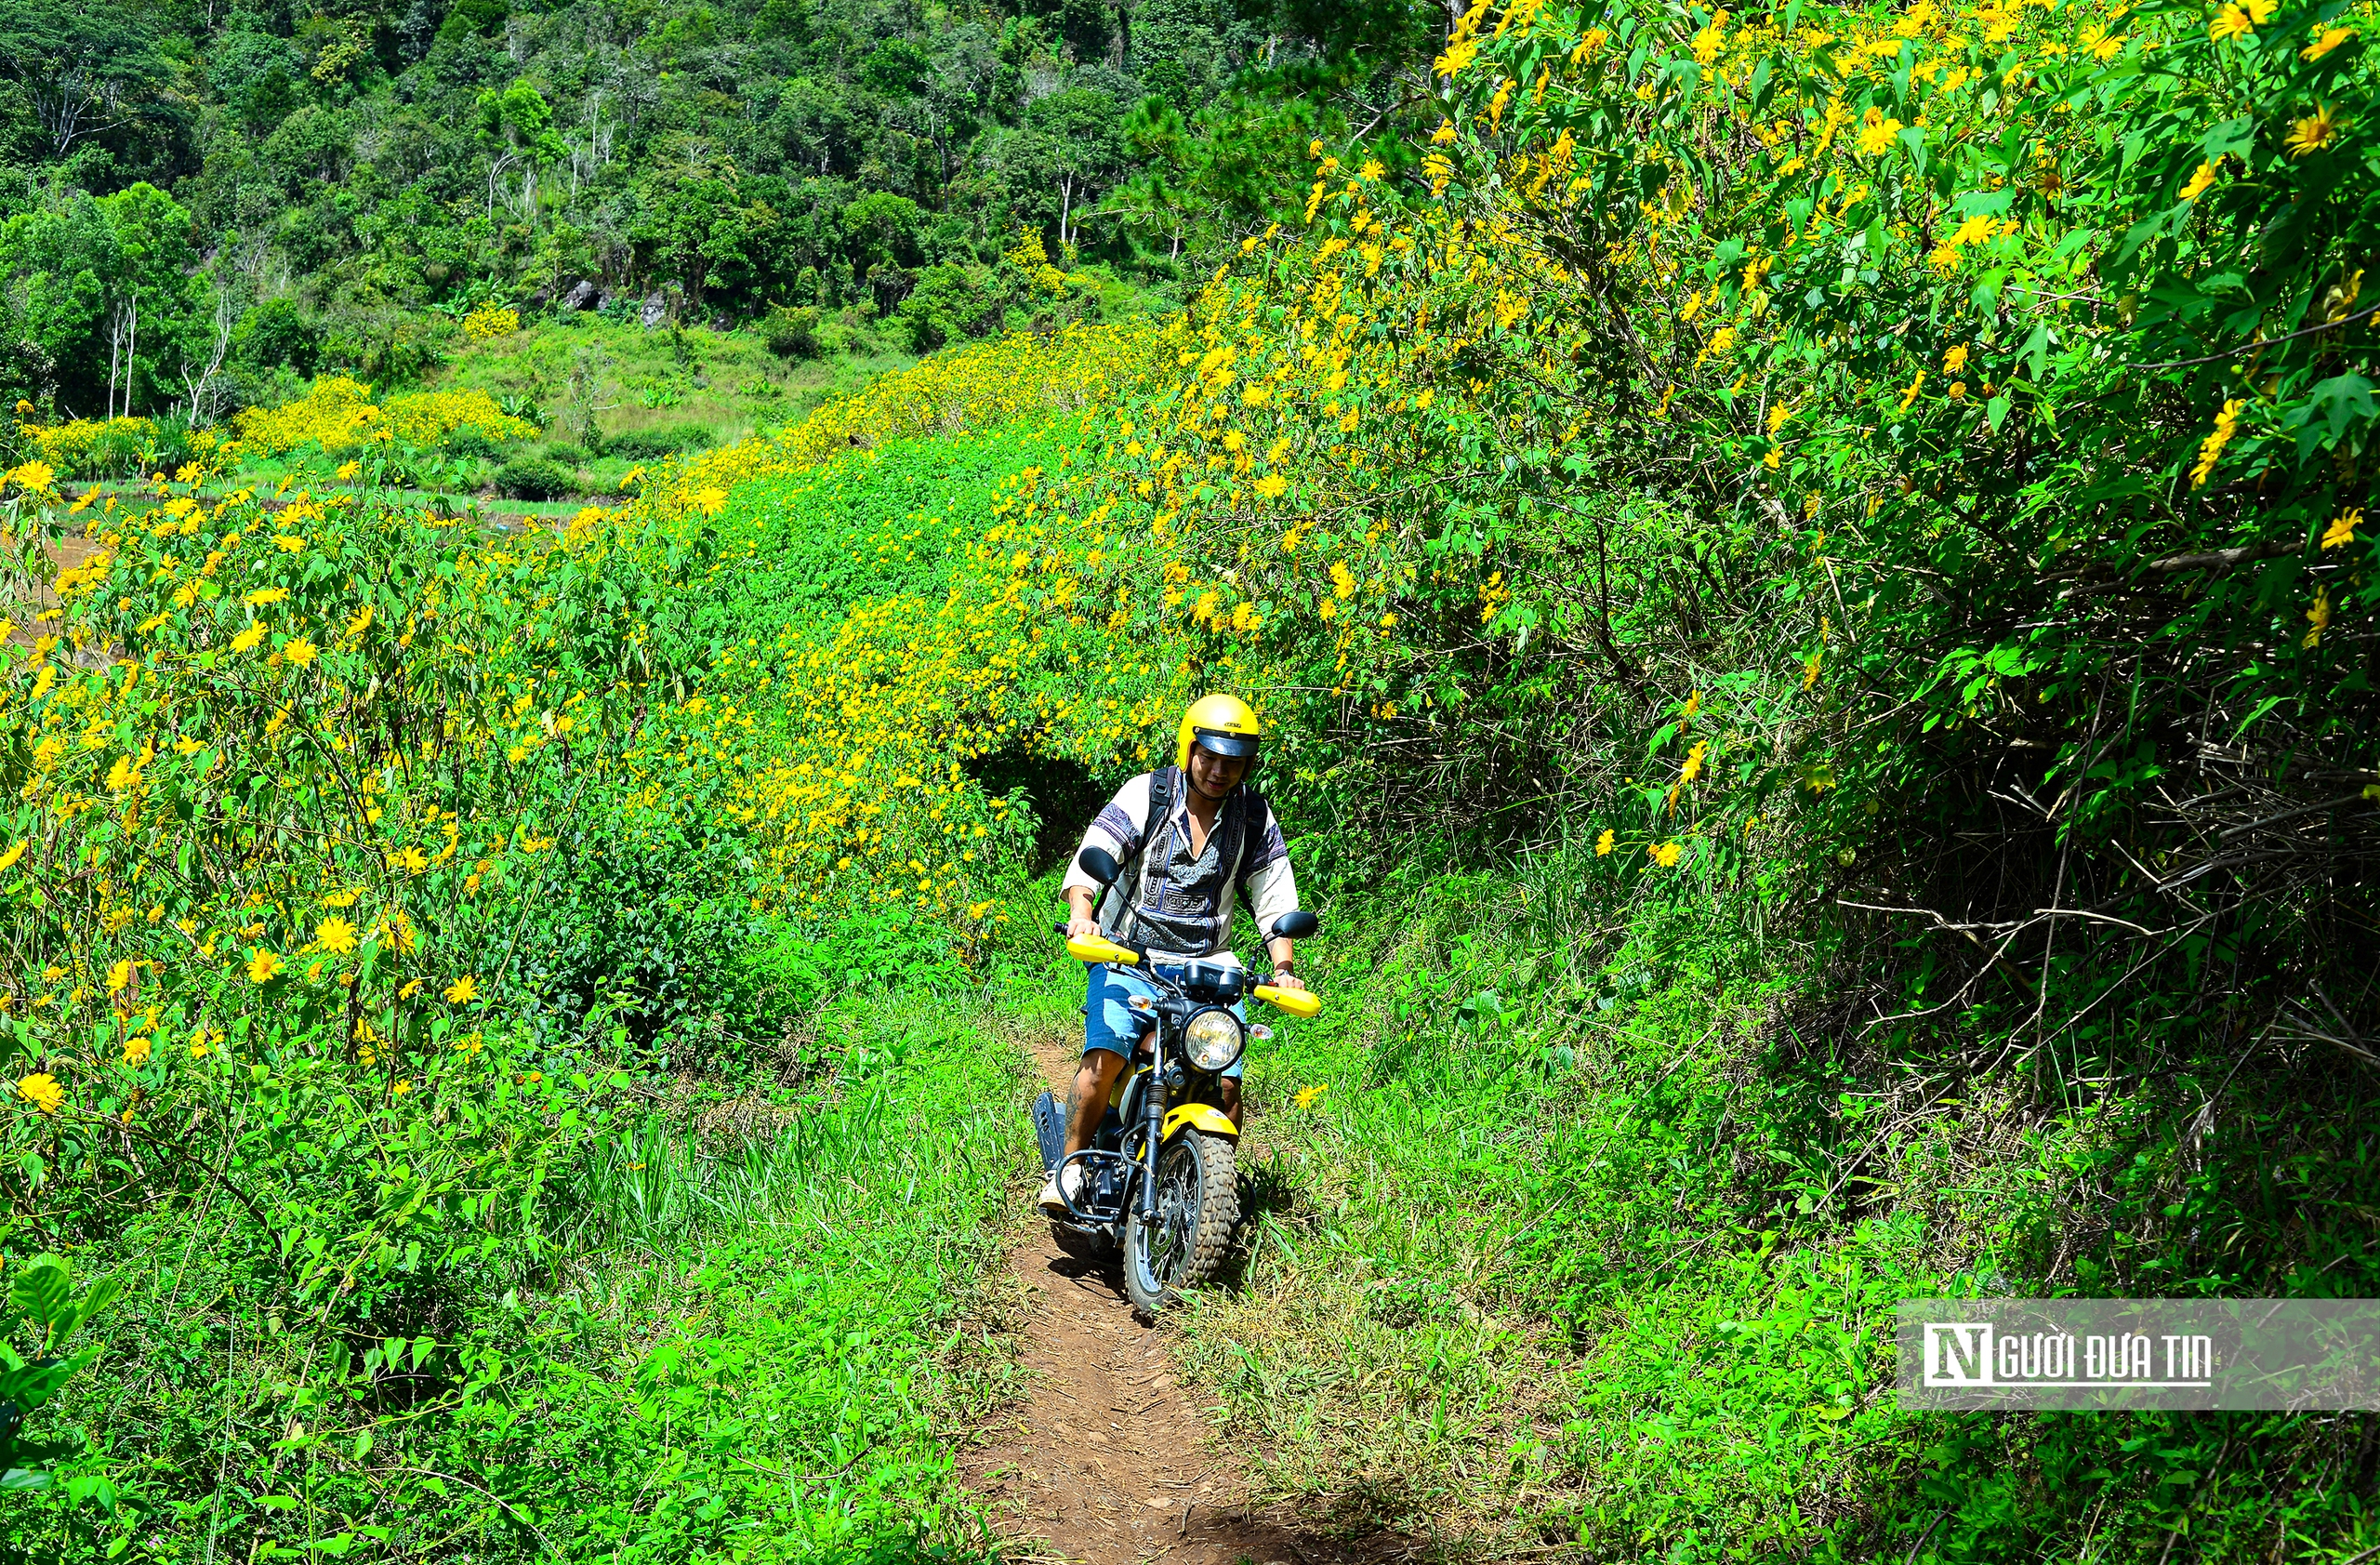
(366, 875)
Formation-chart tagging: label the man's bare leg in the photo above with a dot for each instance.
(1227, 1089)
(1087, 1100)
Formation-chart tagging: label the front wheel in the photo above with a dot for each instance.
(1198, 1202)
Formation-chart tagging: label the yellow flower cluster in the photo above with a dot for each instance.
(490, 321)
(337, 414)
(61, 444)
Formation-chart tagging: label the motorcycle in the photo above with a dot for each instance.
(1159, 1180)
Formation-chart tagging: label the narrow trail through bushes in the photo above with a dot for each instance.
(1108, 1461)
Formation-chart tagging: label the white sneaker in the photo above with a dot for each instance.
(1051, 1201)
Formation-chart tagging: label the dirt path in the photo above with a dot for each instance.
(1109, 1462)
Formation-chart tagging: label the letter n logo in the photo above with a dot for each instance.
(1958, 1353)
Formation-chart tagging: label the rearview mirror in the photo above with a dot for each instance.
(1100, 865)
(1296, 925)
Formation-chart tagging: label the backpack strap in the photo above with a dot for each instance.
(1128, 881)
(1253, 815)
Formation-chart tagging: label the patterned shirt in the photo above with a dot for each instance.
(1182, 902)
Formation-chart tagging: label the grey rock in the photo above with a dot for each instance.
(656, 310)
(582, 296)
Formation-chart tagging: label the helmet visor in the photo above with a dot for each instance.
(1238, 746)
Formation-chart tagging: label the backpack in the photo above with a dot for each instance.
(1163, 783)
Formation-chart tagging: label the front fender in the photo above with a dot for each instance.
(1197, 1116)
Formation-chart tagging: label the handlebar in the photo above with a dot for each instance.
(1302, 1003)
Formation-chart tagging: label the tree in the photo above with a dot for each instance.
(883, 231)
(86, 65)
(521, 124)
(107, 294)
(1073, 141)
(1163, 195)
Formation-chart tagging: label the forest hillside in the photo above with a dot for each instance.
(194, 194)
(1811, 580)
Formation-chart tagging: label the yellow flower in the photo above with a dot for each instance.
(463, 991)
(1307, 1096)
(2325, 41)
(1693, 761)
(301, 652)
(334, 934)
(248, 639)
(264, 595)
(262, 966)
(2226, 423)
(1444, 135)
(2231, 21)
(42, 1091)
(1604, 844)
(412, 860)
(32, 478)
(349, 469)
(401, 1089)
(136, 1051)
(2340, 531)
(2313, 133)
(120, 976)
(2320, 616)
(1955, 360)
(1877, 134)
(2101, 44)
(290, 543)
(8, 859)
(1272, 486)
(2199, 182)
(1666, 854)
(1811, 668)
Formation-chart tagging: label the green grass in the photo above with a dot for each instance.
(737, 1337)
(728, 382)
(1590, 1240)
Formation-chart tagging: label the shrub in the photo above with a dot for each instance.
(337, 414)
(640, 445)
(488, 322)
(792, 334)
(276, 332)
(534, 478)
(566, 453)
(90, 447)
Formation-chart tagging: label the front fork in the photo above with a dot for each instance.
(1152, 1121)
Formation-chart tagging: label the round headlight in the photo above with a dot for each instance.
(1214, 1039)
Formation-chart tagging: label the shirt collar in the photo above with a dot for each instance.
(1182, 800)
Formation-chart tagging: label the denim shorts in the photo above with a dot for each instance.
(1112, 1026)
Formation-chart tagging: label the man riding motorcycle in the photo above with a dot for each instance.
(1194, 838)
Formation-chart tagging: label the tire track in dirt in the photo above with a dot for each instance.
(1108, 1462)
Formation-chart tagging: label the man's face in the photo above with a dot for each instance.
(1216, 775)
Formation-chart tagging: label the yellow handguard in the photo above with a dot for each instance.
(1100, 948)
(1297, 1003)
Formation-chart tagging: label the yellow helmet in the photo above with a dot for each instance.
(1220, 723)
